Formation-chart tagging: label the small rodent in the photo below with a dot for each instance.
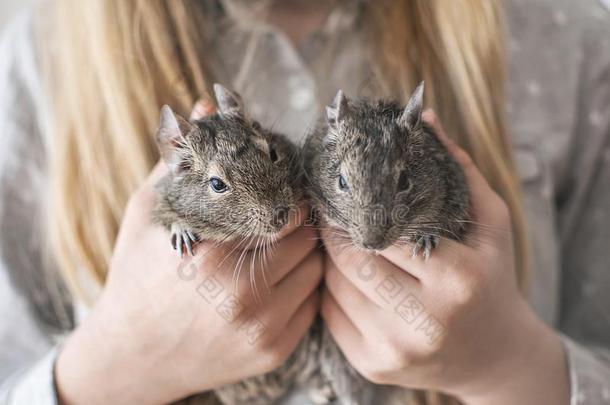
(228, 178)
(378, 174)
(375, 171)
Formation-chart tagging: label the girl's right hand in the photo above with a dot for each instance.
(166, 328)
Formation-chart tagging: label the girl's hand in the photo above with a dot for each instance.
(165, 328)
(455, 323)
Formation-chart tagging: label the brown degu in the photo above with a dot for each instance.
(228, 178)
(377, 172)
(379, 176)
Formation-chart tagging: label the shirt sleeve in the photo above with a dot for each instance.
(35, 386)
(27, 349)
(584, 224)
(589, 373)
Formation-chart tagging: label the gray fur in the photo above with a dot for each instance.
(262, 172)
(371, 145)
(227, 146)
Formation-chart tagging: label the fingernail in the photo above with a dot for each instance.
(202, 108)
(429, 113)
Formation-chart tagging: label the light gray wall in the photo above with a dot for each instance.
(10, 7)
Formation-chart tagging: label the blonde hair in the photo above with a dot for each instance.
(117, 61)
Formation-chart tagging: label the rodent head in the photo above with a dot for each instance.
(374, 180)
(228, 177)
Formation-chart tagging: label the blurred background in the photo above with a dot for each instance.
(9, 7)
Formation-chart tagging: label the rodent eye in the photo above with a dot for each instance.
(403, 181)
(343, 183)
(272, 153)
(256, 125)
(217, 185)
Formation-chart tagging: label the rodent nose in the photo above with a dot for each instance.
(374, 243)
(280, 217)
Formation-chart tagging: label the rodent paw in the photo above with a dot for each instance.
(182, 238)
(424, 244)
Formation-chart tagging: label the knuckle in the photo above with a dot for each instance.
(272, 357)
(389, 359)
(464, 290)
(396, 358)
(375, 377)
(142, 197)
(432, 348)
(373, 373)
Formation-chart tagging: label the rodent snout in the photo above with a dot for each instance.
(270, 221)
(374, 242)
(279, 217)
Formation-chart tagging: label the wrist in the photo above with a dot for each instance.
(98, 365)
(532, 370)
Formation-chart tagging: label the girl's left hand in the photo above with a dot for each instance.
(455, 323)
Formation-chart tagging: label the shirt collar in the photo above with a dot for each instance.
(250, 15)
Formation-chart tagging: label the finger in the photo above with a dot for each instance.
(232, 262)
(362, 312)
(298, 326)
(296, 218)
(343, 331)
(202, 108)
(377, 278)
(426, 270)
(159, 170)
(288, 295)
(234, 265)
(142, 201)
(485, 202)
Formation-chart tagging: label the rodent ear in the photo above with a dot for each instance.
(171, 135)
(411, 116)
(337, 110)
(229, 102)
(261, 143)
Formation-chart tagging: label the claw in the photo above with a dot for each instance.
(182, 239)
(179, 243)
(173, 241)
(192, 237)
(424, 244)
(187, 243)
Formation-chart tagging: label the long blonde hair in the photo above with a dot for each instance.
(116, 61)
